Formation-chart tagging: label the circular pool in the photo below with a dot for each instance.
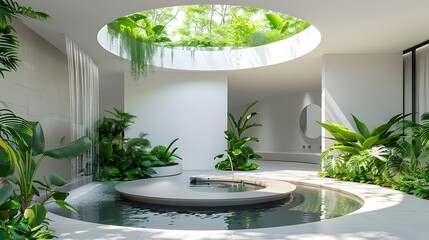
(100, 203)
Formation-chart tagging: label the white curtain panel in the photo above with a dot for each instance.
(84, 91)
(422, 80)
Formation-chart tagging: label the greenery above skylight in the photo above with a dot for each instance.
(206, 27)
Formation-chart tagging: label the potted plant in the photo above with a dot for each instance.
(164, 163)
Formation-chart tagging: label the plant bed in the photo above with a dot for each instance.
(167, 170)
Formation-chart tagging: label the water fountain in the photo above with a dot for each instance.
(220, 190)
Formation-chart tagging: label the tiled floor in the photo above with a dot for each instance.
(386, 214)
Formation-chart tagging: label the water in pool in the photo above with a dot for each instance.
(100, 203)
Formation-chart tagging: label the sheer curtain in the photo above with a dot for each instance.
(422, 80)
(84, 91)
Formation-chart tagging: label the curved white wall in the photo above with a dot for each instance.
(191, 106)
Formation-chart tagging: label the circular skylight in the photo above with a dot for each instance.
(208, 37)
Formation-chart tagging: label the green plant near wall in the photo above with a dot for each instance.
(237, 155)
(21, 216)
(409, 161)
(164, 155)
(123, 159)
(9, 43)
(363, 154)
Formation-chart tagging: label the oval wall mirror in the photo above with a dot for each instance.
(307, 121)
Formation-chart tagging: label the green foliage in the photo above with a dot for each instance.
(124, 159)
(131, 162)
(9, 43)
(23, 148)
(136, 35)
(238, 154)
(416, 183)
(396, 158)
(212, 27)
(164, 156)
(363, 155)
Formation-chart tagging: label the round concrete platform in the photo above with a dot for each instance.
(176, 191)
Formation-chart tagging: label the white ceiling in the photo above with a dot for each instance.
(347, 27)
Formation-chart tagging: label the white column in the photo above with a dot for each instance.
(191, 106)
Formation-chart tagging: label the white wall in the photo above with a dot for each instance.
(191, 106)
(368, 86)
(280, 119)
(39, 91)
(111, 93)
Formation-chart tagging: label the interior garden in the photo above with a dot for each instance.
(209, 121)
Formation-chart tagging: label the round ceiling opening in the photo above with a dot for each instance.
(208, 38)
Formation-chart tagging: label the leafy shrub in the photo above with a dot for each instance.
(360, 156)
(238, 154)
(163, 155)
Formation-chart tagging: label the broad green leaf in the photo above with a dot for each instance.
(62, 204)
(60, 195)
(35, 215)
(346, 149)
(137, 17)
(7, 160)
(236, 152)
(44, 234)
(70, 151)
(362, 128)
(275, 21)
(285, 27)
(114, 171)
(230, 135)
(158, 29)
(56, 180)
(36, 142)
(370, 142)
(6, 192)
(340, 132)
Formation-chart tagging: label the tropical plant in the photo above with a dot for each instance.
(353, 143)
(238, 154)
(21, 216)
(131, 162)
(407, 158)
(164, 156)
(123, 159)
(363, 155)
(9, 43)
(416, 183)
(420, 130)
